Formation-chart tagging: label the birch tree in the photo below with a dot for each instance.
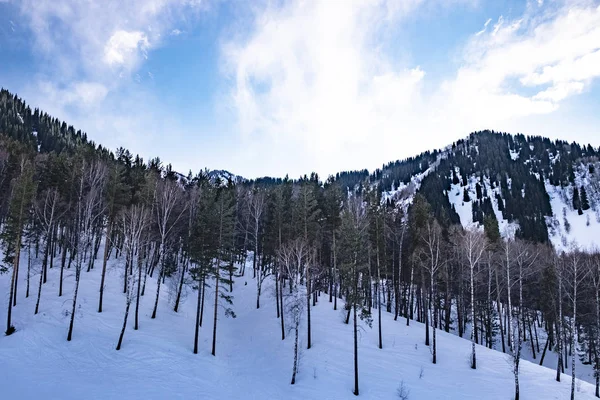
(88, 210)
(473, 246)
(292, 257)
(432, 240)
(133, 223)
(168, 211)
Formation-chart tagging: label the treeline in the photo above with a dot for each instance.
(306, 237)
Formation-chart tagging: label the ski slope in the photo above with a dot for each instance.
(252, 362)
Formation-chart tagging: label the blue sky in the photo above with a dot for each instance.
(289, 87)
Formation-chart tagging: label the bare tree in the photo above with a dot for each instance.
(168, 210)
(524, 256)
(292, 257)
(576, 272)
(88, 210)
(473, 245)
(256, 208)
(595, 278)
(47, 212)
(432, 238)
(133, 223)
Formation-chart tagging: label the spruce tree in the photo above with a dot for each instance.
(23, 189)
(576, 199)
(354, 262)
(585, 205)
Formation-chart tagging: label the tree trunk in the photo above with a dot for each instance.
(308, 293)
(104, 261)
(124, 325)
(202, 300)
(295, 368)
(158, 281)
(73, 310)
(28, 267)
(214, 340)
(180, 288)
(473, 354)
(198, 320)
(282, 316)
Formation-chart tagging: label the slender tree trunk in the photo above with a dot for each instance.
(28, 267)
(573, 333)
(379, 297)
(355, 348)
(214, 340)
(282, 316)
(138, 294)
(409, 311)
(308, 293)
(104, 261)
(39, 295)
(295, 368)
(74, 309)
(180, 287)
(9, 327)
(473, 353)
(158, 281)
(202, 301)
(559, 366)
(198, 320)
(544, 352)
(124, 323)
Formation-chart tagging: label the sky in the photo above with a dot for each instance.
(276, 87)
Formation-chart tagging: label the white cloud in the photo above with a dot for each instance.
(78, 94)
(100, 41)
(313, 74)
(124, 47)
(484, 27)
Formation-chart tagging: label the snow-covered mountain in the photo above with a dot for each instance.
(534, 187)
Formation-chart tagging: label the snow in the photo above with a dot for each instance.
(580, 230)
(463, 209)
(156, 362)
(514, 154)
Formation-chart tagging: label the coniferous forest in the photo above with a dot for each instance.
(389, 241)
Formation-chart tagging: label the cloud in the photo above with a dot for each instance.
(484, 27)
(123, 47)
(100, 41)
(345, 103)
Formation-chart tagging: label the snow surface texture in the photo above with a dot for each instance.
(567, 228)
(156, 362)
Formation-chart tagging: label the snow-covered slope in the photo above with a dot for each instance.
(252, 362)
(568, 228)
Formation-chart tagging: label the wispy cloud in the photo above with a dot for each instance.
(102, 42)
(484, 27)
(312, 73)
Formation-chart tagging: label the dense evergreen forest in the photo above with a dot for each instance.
(356, 238)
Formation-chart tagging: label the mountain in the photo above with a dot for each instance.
(399, 276)
(525, 182)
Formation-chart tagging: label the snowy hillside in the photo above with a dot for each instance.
(252, 362)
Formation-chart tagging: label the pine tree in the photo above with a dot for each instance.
(354, 261)
(224, 211)
(23, 189)
(576, 199)
(466, 197)
(585, 205)
(307, 213)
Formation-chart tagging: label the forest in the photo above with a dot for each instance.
(66, 201)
